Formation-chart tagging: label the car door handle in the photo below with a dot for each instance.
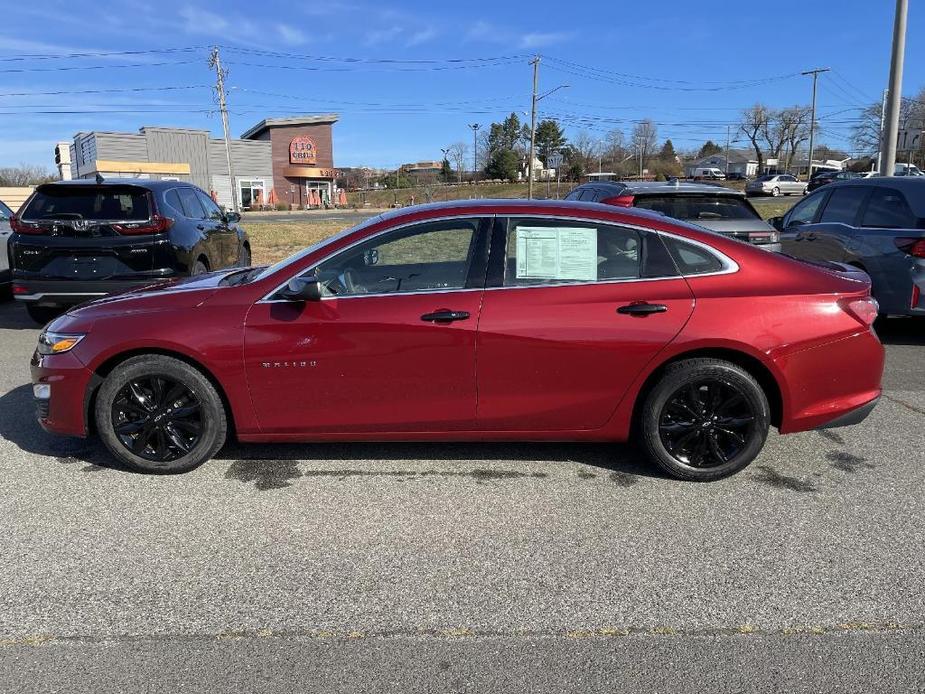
(642, 308)
(445, 316)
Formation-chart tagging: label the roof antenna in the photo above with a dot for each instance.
(99, 178)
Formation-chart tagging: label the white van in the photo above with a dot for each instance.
(710, 173)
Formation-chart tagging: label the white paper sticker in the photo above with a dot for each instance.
(556, 253)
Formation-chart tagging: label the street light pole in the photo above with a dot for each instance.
(812, 119)
(536, 74)
(888, 161)
(475, 152)
(727, 151)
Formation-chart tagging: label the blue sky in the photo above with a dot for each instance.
(689, 66)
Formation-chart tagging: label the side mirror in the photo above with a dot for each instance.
(302, 289)
(777, 222)
(232, 217)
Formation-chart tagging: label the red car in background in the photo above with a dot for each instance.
(475, 320)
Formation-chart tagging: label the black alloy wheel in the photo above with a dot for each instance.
(156, 413)
(157, 418)
(704, 419)
(706, 423)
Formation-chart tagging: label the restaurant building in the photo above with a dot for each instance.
(279, 160)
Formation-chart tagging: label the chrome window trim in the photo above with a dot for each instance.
(729, 265)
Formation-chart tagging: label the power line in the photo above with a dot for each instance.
(374, 61)
(351, 68)
(96, 54)
(67, 68)
(119, 90)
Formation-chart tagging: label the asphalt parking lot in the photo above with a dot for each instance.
(420, 568)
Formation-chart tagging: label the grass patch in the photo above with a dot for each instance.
(272, 242)
(775, 208)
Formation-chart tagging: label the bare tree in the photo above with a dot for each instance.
(866, 134)
(458, 153)
(614, 149)
(794, 124)
(753, 124)
(25, 175)
(643, 141)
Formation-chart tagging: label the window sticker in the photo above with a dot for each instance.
(556, 253)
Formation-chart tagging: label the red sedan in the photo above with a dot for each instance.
(475, 321)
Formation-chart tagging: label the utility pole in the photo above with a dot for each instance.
(812, 119)
(475, 152)
(215, 63)
(536, 75)
(882, 121)
(888, 161)
(727, 151)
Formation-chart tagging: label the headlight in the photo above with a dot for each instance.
(57, 343)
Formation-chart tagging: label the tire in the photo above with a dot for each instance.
(146, 433)
(721, 439)
(43, 314)
(244, 260)
(199, 268)
(775, 192)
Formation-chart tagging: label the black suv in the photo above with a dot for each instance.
(78, 240)
(714, 207)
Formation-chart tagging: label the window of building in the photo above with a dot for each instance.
(252, 193)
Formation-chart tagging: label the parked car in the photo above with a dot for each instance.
(708, 173)
(876, 224)
(776, 184)
(78, 240)
(5, 215)
(907, 170)
(736, 176)
(827, 177)
(720, 209)
(588, 322)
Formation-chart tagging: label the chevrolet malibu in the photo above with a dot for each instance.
(475, 321)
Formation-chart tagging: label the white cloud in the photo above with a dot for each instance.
(540, 39)
(482, 31)
(378, 36)
(290, 35)
(422, 36)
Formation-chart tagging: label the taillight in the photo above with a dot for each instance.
(865, 309)
(763, 236)
(156, 225)
(619, 200)
(914, 247)
(19, 289)
(916, 296)
(21, 227)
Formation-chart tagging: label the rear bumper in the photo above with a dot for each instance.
(831, 384)
(855, 416)
(71, 292)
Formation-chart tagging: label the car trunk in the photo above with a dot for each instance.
(87, 233)
(724, 213)
(751, 230)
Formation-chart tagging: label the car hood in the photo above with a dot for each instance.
(732, 226)
(164, 296)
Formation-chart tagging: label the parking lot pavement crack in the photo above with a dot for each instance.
(462, 632)
(903, 403)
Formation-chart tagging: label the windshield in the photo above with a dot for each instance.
(766, 178)
(698, 207)
(123, 203)
(266, 272)
(5, 212)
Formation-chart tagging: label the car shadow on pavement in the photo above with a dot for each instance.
(13, 316)
(901, 331)
(19, 426)
(270, 466)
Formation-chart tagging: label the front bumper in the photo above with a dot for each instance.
(72, 292)
(66, 411)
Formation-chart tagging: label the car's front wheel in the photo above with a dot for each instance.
(775, 192)
(158, 414)
(704, 419)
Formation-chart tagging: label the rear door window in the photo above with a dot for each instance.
(843, 205)
(804, 212)
(75, 202)
(552, 251)
(888, 209)
(575, 194)
(190, 204)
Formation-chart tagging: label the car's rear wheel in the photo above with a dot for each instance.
(704, 419)
(43, 314)
(158, 414)
(775, 192)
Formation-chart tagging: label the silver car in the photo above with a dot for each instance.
(776, 184)
(5, 214)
